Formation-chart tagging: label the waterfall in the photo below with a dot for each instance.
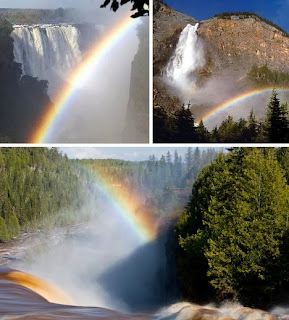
(187, 58)
(48, 52)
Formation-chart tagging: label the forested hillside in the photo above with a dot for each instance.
(233, 235)
(39, 188)
(164, 183)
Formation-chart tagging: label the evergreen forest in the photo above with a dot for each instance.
(179, 127)
(233, 235)
(41, 188)
(165, 183)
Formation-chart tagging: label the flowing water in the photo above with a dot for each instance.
(23, 296)
(187, 58)
(117, 277)
(49, 52)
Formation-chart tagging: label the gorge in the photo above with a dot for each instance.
(67, 58)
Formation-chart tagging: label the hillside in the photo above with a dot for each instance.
(31, 16)
(238, 44)
(39, 189)
(233, 46)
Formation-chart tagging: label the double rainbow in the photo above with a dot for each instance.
(42, 133)
(238, 99)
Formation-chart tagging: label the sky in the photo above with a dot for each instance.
(276, 11)
(48, 4)
(123, 153)
(90, 8)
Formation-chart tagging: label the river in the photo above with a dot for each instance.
(82, 272)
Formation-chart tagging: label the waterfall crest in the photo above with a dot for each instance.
(187, 58)
(48, 52)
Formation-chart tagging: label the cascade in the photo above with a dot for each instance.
(48, 52)
(187, 58)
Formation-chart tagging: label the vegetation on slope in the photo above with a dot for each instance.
(34, 16)
(246, 15)
(233, 234)
(263, 76)
(38, 189)
(179, 127)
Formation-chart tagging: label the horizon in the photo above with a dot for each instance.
(125, 153)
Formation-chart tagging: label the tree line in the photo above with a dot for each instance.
(164, 182)
(246, 15)
(34, 16)
(233, 236)
(179, 127)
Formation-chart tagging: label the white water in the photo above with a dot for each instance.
(187, 58)
(48, 52)
(227, 311)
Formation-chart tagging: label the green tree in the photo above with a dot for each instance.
(13, 226)
(253, 127)
(185, 127)
(203, 135)
(277, 124)
(4, 235)
(234, 228)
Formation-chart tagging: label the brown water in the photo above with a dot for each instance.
(23, 296)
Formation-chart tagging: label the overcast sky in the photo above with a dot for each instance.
(45, 4)
(124, 153)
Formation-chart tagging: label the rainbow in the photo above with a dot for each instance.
(127, 203)
(237, 99)
(50, 117)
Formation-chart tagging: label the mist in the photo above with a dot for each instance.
(100, 262)
(101, 102)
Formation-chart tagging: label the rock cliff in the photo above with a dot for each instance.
(137, 118)
(238, 44)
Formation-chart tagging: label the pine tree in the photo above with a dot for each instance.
(4, 235)
(277, 125)
(252, 131)
(13, 226)
(185, 126)
(203, 135)
(233, 230)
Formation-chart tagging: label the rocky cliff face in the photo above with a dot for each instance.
(237, 44)
(137, 118)
(232, 46)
